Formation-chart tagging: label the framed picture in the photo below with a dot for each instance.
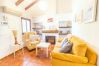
(89, 13)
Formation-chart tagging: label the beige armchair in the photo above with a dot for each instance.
(28, 42)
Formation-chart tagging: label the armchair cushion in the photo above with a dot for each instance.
(69, 57)
(33, 37)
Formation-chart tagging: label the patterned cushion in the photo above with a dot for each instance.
(65, 41)
(66, 48)
(33, 37)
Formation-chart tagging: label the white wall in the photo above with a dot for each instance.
(63, 6)
(56, 19)
(87, 31)
(6, 35)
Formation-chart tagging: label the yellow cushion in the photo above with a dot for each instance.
(58, 62)
(79, 49)
(69, 57)
(79, 46)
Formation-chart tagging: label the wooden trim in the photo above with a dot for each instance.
(19, 2)
(11, 11)
(31, 4)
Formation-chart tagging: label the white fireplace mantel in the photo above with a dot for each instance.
(49, 34)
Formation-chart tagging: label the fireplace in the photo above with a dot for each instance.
(50, 39)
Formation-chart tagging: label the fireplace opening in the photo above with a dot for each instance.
(50, 39)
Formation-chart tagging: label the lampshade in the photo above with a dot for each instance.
(14, 33)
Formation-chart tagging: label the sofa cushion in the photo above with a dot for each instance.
(79, 46)
(79, 50)
(66, 48)
(64, 42)
(69, 57)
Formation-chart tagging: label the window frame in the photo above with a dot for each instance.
(22, 18)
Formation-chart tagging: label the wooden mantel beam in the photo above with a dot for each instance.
(31, 4)
(19, 2)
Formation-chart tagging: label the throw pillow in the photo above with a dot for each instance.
(67, 48)
(33, 37)
(64, 42)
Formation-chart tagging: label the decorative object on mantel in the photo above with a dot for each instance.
(50, 31)
(89, 13)
(65, 27)
(50, 19)
(15, 36)
(65, 23)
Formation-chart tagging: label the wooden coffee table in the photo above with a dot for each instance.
(43, 45)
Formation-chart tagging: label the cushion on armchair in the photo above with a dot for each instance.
(34, 37)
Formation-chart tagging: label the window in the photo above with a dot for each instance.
(26, 25)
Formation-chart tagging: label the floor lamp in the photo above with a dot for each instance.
(16, 41)
(15, 36)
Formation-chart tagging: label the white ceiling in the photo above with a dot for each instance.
(34, 11)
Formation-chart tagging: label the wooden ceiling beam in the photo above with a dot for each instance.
(19, 2)
(31, 4)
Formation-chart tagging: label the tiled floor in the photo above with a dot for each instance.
(28, 59)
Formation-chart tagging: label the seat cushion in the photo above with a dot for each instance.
(69, 57)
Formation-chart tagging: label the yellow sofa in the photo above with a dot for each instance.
(29, 43)
(81, 54)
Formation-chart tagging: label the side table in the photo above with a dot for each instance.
(43, 45)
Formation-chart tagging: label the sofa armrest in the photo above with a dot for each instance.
(69, 57)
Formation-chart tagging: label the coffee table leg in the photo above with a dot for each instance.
(47, 51)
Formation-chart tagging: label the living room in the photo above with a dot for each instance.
(36, 27)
